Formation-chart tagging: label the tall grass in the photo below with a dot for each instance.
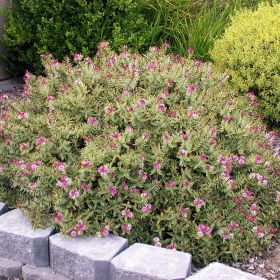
(192, 23)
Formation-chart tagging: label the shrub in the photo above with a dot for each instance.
(65, 27)
(154, 148)
(250, 51)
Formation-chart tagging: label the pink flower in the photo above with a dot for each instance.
(92, 121)
(226, 234)
(184, 136)
(186, 184)
(203, 156)
(85, 187)
(157, 242)
(157, 166)
(129, 129)
(204, 230)
(1, 169)
(147, 208)
(242, 160)
(166, 136)
(143, 175)
(142, 102)
(64, 182)
(190, 51)
(32, 186)
(183, 153)
(116, 135)
(22, 115)
(226, 175)
(170, 184)
(59, 165)
(25, 94)
(74, 194)
(103, 170)
(126, 228)
(233, 225)
(77, 57)
(192, 113)
(127, 213)
(87, 139)
(198, 202)
(171, 246)
(145, 196)
(191, 89)
(251, 95)
(126, 91)
(81, 226)
(105, 231)
(247, 194)
(255, 104)
(184, 211)
(251, 218)
(146, 135)
(154, 49)
(50, 98)
(254, 208)
(110, 110)
(73, 233)
(34, 165)
(161, 107)
(113, 191)
(41, 140)
(20, 164)
(86, 163)
(259, 231)
(231, 183)
(125, 186)
(23, 146)
(272, 230)
(58, 218)
(259, 159)
(103, 44)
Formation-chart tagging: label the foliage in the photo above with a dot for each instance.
(154, 148)
(250, 51)
(192, 23)
(63, 27)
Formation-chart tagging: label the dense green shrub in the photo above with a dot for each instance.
(64, 27)
(151, 147)
(250, 51)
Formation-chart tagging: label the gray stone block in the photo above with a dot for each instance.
(3, 208)
(145, 262)
(84, 258)
(10, 268)
(218, 271)
(20, 242)
(30, 272)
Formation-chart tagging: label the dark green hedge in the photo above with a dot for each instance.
(64, 27)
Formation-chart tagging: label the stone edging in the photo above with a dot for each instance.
(29, 253)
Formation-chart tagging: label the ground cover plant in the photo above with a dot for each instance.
(250, 52)
(65, 27)
(154, 148)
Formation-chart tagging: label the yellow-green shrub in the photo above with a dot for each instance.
(250, 51)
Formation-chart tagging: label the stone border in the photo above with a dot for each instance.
(43, 255)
